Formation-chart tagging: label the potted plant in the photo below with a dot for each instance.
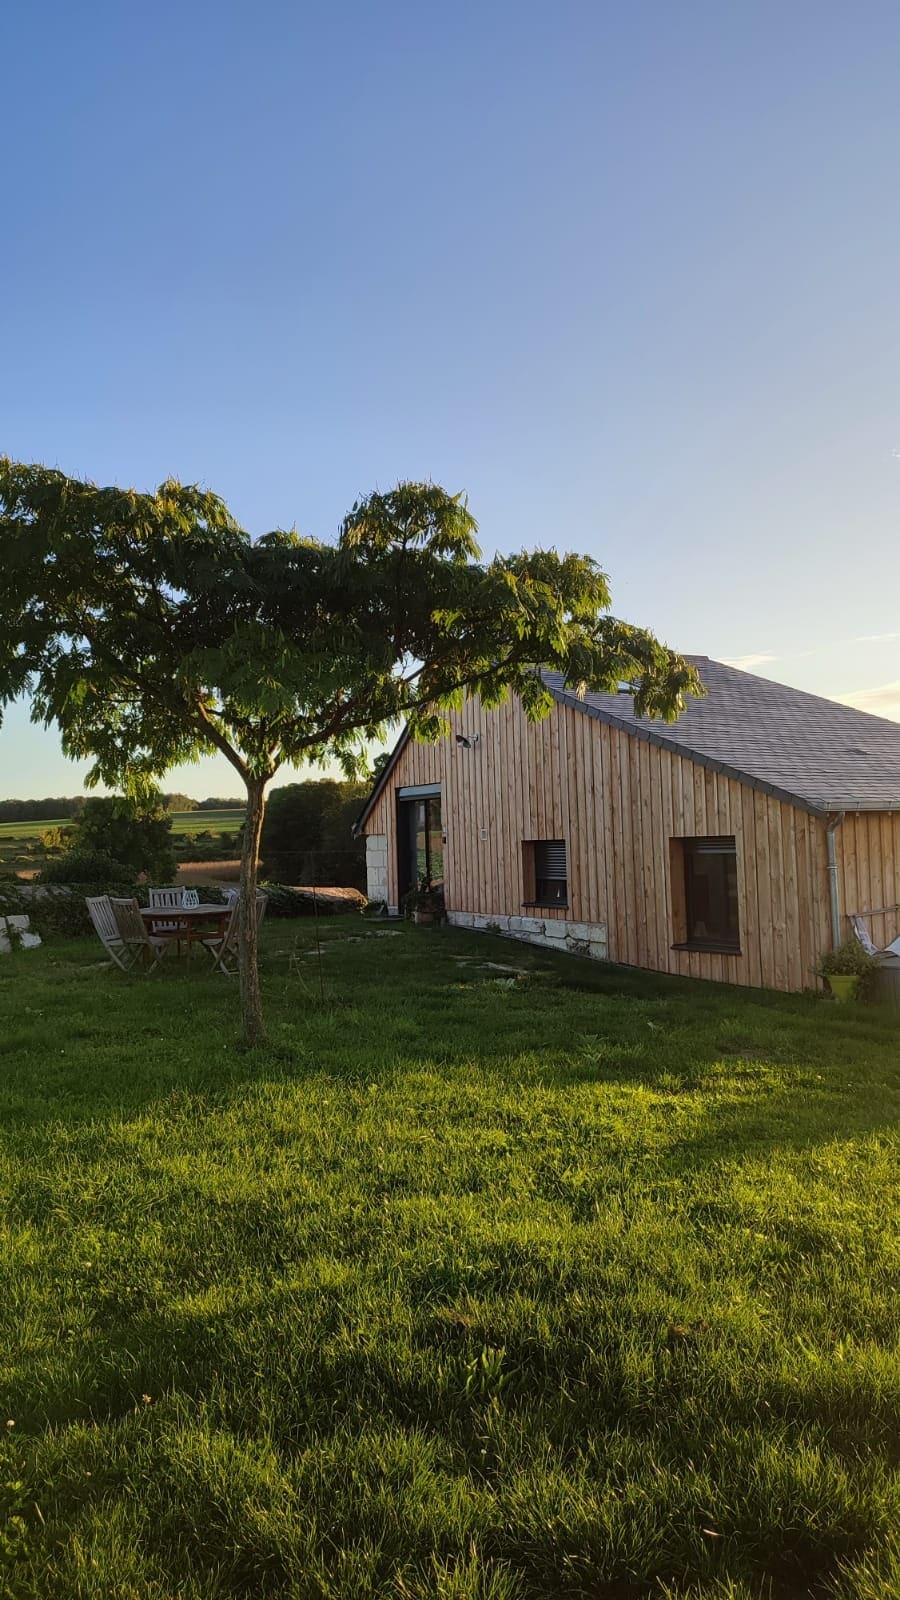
(849, 969)
(425, 904)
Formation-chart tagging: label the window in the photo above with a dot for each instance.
(705, 893)
(544, 872)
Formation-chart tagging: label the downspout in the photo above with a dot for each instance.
(833, 882)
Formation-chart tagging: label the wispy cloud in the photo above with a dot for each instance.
(746, 662)
(883, 701)
(875, 638)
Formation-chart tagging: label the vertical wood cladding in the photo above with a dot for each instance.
(618, 802)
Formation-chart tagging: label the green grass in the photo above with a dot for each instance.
(584, 1286)
(185, 823)
(31, 830)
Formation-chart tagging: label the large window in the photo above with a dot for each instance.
(705, 893)
(420, 840)
(544, 872)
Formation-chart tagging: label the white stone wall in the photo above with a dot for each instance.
(377, 866)
(580, 938)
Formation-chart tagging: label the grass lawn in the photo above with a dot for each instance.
(583, 1285)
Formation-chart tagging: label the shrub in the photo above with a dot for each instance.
(93, 868)
(56, 912)
(52, 840)
(850, 960)
(286, 902)
(427, 900)
(140, 836)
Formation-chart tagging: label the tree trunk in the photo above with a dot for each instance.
(254, 1031)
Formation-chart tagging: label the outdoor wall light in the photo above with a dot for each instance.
(467, 739)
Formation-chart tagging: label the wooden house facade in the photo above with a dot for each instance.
(733, 845)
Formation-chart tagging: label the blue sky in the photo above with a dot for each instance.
(627, 274)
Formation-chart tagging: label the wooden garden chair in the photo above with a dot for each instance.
(133, 931)
(124, 948)
(224, 947)
(106, 928)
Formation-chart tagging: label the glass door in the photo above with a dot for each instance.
(420, 842)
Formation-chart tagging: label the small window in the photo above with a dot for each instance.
(705, 893)
(545, 873)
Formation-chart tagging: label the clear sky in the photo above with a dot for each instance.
(626, 273)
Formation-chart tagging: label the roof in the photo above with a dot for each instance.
(811, 752)
(807, 750)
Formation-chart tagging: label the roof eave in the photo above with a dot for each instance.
(380, 784)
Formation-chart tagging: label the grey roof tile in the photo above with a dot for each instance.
(827, 756)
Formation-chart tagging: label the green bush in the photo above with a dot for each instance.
(92, 868)
(287, 902)
(58, 912)
(139, 835)
(850, 960)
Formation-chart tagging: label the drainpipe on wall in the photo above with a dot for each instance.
(833, 882)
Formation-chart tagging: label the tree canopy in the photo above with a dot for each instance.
(152, 630)
(137, 833)
(307, 835)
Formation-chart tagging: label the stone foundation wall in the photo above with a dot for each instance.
(377, 866)
(579, 938)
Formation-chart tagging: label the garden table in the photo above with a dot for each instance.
(187, 924)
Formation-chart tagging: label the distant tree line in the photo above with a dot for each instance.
(41, 810)
(67, 808)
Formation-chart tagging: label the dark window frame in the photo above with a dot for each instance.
(689, 888)
(539, 873)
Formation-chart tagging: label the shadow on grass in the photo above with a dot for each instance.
(82, 1041)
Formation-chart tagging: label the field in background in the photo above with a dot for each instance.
(186, 823)
(227, 871)
(31, 830)
(189, 823)
(21, 851)
(485, 1282)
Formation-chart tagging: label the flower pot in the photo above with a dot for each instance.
(843, 986)
(423, 918)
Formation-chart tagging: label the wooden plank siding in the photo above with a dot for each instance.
(868, 852)
(618, 802)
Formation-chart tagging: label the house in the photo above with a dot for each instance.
(734, 844)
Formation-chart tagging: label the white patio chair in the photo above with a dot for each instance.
(223, 947)
(137, 940)
(891, 951)
(106, 928)
(171, 899)
(231, 895)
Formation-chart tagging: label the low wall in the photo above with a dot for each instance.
(580, 938)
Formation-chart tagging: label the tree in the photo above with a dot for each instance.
(179, 802)
(307, 836)
(152, 630)
(137, 832)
